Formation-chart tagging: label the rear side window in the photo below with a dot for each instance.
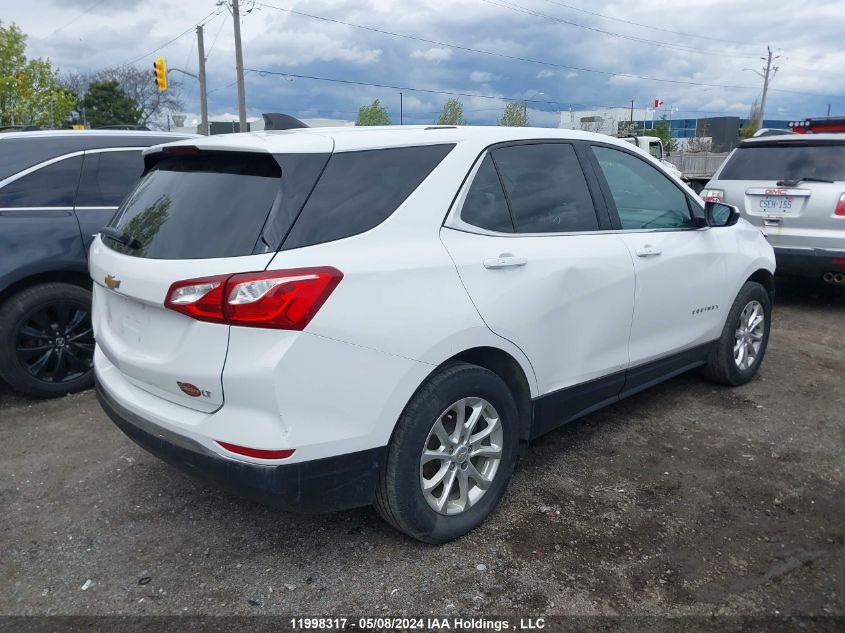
(53, 185)
(107, 177)
(485, 205)
(546, 188)
(644, 197)
(359, 190)
(788, 161)
(199, 207)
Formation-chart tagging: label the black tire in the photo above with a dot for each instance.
(721, 366)
(399, 497)
(34, 325)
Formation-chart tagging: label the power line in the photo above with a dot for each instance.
(512, 6)
(469, 49)
(645, 26)
(262, 73)
(170, 41)
(69, 22)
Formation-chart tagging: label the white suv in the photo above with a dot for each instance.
(330, 318)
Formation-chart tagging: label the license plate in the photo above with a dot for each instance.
(776, 203)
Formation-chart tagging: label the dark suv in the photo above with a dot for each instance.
(57, 188)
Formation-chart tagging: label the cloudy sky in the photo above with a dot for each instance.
(559, 54)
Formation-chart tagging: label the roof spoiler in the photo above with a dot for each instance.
(278, 121)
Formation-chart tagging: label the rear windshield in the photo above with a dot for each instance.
(786, 162)
(199, 206)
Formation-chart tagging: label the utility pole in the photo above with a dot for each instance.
(203, 94)
(524, 110)
(768, 74)
(400, 108)
(239, 66)
(632, 110)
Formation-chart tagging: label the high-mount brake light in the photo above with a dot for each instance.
(279, 299)
(181, 150)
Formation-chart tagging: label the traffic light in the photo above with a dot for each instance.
(160, 73)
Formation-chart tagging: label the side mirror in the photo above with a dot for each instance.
(721, 214)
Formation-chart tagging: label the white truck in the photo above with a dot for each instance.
(695, 169)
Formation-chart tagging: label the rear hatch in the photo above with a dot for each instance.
(789, 188)
(195, 214)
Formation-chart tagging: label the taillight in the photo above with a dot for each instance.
(201, 299)
(280, 299)
(840, 206)
(713, 195)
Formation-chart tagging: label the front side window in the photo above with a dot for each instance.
(485, 205)
(53, 185)
(107, 177)
(546, 188)
(645, 198)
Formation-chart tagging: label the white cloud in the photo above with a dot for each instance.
(480, 76)
(433, 54)
(545, 73)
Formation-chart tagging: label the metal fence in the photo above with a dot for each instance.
(697, 163)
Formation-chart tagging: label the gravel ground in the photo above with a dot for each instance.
(688, 499)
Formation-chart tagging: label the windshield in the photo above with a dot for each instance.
(786, 162)
(198, 207)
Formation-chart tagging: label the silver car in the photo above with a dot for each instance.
(793, 188)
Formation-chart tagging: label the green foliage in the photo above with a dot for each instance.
(453, 113)
(661, 130)
(29, 90)
(105, 103)
(374, 114)
(752, 124)
(514, 116)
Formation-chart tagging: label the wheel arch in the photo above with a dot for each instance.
(510, 371)
(766, 279)
(74, 277)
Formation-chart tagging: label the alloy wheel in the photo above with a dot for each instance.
(461, 455)
(55, 343)
(748, 338)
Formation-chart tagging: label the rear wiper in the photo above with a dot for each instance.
(791, 182)
(119, 236)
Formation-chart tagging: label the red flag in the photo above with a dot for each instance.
(657, 103)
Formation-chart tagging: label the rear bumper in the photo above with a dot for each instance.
(320, 485)
(808, 262)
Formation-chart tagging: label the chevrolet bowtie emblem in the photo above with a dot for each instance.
(112, 282)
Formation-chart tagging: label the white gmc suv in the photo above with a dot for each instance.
(330, 318)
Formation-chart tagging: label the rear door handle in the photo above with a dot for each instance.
(505, 260)
(648, 251)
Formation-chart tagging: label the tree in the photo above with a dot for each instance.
(29, 90)
(138, 84)
(106, 104)
(453, 113)
(661, 131)
(514, 116)
(374, 114)
(753, 123)
(628, 128)
(702, 142)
